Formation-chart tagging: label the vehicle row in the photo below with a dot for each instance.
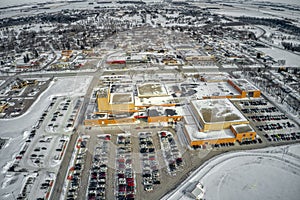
(125, 176)
(259, 102)
(259, 118)
(260, 110)
(75, 174)
(266, 117)
(277, 126)
(283, 137)
(171, 152)
(150, 168)
(247, 142)
(98, 172)
(227, 144)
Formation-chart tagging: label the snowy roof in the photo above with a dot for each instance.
(198, 192)
(102, 93)
(195, 134)
(189, 119)
(184, 46)
(121, 88)
(216, 89)
(202, 89)
(114, 58)
(244, 85)
(215, 77)
(136, 57)
(151, 89)
(155, 111)
(217, 111)
(153, 100)
(121, 98)
(242, 128)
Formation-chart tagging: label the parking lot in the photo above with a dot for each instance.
(43, 149)
(61, 114)
(133, 164)
(130, 153)
(269, 121)
(37, 155)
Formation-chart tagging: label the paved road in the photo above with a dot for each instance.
(116, 72)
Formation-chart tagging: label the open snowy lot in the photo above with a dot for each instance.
(292, 60)
(271, 173)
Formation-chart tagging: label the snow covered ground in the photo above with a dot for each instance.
(230, 66)
(270, 173)
(235, 12)
(1, 82)
(292, 60)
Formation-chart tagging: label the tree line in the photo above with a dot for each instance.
(283, 25)
(290, 46)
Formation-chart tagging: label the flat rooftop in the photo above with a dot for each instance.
(156, 111)
(242, 128)
(217, 111)
(151, 89)
(202, 89)
(244, 85)
(114, 58)
(196, 135)
(121, 98)
(217, 77)
(216, 89)
(154, 101)
(184, 46)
